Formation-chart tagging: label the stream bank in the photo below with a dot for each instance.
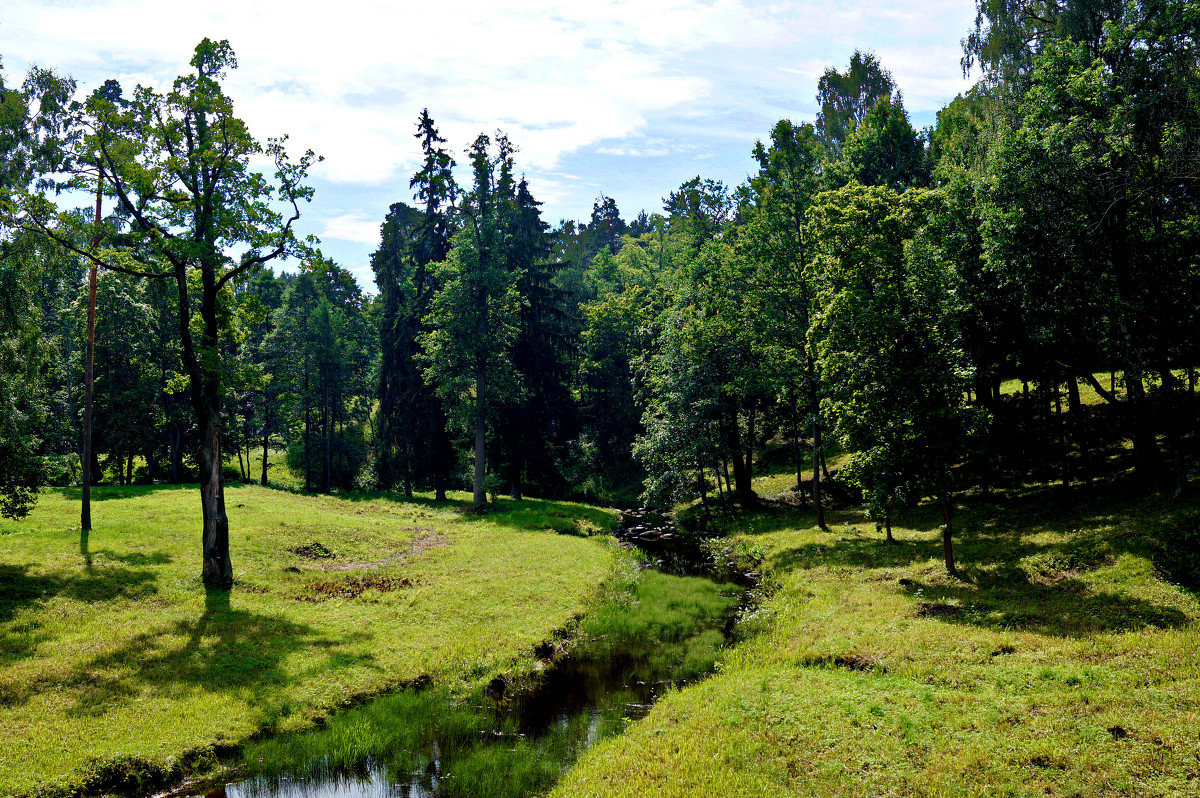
(663, 629)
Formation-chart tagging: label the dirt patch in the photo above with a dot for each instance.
(313, 551)
(868, 663)
(425, 540)
(935, 609)
(353, 587)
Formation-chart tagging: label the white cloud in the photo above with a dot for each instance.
(624, 93)
(352, 226)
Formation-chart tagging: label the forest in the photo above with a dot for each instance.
(925, 401)
(870, 287)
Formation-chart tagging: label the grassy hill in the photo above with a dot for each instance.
(1065, 661)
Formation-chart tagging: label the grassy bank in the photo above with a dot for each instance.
(516, 739)
(1064, 662)
(112, 652)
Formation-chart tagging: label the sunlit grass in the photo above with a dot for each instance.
(1063, 663)
(114, 650)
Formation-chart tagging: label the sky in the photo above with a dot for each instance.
(625, 98)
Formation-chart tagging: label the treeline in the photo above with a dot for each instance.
(869, 286)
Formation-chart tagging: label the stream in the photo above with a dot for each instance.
(517, 740)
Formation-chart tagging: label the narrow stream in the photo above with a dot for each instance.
(512, 741)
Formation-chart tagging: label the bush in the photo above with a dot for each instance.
(1178, 550)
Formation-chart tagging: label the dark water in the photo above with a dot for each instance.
(509, 741)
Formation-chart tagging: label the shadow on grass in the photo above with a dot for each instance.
(19, 588)
(101, 493)
(224, 650)
(1021, 555)
(526, 515)
(1063, 608)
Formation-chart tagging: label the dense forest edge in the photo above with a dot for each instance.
(938, 386)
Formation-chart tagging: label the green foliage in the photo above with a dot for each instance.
(884, 150)
(891, 360)
(847, 97)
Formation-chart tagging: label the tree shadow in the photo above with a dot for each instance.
(104, 493)
(134, 558)
(19, 588)
(224, 650)
(1066, 607)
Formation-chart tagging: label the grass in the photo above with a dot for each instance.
(114, 660)
(651, 627)
(1063, 662)
(673, 621)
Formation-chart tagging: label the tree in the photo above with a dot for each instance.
(884, 149)
(776, 239)
(474, 313)
(177, 166)
(894, 372)
(847, 97)
(29, 145)
(412, 440)
(1093, 212)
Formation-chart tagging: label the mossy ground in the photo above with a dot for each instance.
(112, 652)
(1063, 661)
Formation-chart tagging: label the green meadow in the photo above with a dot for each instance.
(1064, 661)
(119, 671)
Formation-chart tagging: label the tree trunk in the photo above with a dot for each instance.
(725, 470)
(743, 490)
(307, 436)
(887, 525)
(441, 455)
(750, 418)
(85, 510)
(129, 472)
(218, 568)
(725, 504)
(1173, 402)
(814, 408)
(266, 442)
(327, 427)
(1063, 445)
(480, 497)
(947, 533)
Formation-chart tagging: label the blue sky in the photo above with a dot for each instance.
(625, 97)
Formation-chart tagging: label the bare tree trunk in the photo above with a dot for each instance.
(266, 440)
(89, 371)
(725, 505)
(85, 510)
(947, 533)
(327, 482)
(307, 437)
(480, 497)
(887, 524)
(441, 462)
(217, 568)
(814, 407)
